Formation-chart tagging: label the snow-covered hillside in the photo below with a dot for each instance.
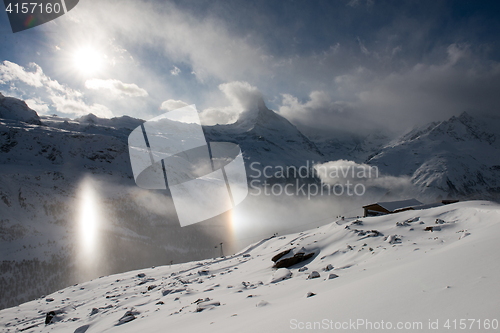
(47, 162)
(44, 172)
(459, 157)
(427, 270)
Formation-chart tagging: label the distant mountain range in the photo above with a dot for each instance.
(45, 161)
(456, 158)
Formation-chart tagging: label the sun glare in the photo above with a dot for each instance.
(88, 61)
(239, 224)
(88, 218)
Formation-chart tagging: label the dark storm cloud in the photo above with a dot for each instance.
(401, 98)
(361, 64)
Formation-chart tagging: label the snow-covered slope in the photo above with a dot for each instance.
(45, 171)
(46, 164)
(427, 270)
(459, 157)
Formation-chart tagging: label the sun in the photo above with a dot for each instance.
(88, 61)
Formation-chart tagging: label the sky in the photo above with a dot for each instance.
(327, 66)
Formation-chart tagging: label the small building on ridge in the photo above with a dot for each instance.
(389, 207)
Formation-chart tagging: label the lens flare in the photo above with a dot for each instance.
(240, 227)
(88, 218)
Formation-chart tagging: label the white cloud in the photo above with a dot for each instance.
(207, 45)
(10, 71)
(213, 116)
(343, 171)
(242, 96)
(175, 71)
(318, 100)
(78, 107)
(362, 47)
(456, 52)
(172, 104)
(64, 99)
(319, 112)
(116, 87)
(38, 105)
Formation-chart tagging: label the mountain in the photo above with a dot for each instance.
(55, 170)
(349, 146)
(53, 175)
(267, 139)
(456, 158)
(15, 109)
(419, 271)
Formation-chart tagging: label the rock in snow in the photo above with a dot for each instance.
(281, 274)
(262, 304)
(313, 275)
(48, 318)
(127, 317)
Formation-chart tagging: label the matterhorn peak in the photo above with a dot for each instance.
(261, 115)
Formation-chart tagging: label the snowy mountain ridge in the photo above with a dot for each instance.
(461, 128)
(267, 138)
(459, 157)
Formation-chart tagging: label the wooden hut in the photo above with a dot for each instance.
(389, 207)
